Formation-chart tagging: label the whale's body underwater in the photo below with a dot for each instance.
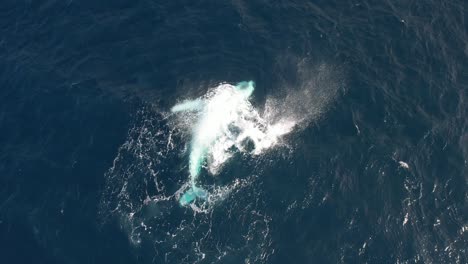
(226, 120)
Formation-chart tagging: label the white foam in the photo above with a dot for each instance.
(227, 121)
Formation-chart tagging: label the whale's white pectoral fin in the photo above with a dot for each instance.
(191, 105)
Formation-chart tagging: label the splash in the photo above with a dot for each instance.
(227, 121)
(143, 182)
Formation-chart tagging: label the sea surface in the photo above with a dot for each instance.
(93, 162)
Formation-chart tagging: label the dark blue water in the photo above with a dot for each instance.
(89, 161)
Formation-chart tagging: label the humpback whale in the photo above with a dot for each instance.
(218, 113)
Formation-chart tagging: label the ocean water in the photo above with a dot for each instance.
(352, 147)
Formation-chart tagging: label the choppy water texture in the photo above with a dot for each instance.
(352, 148)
